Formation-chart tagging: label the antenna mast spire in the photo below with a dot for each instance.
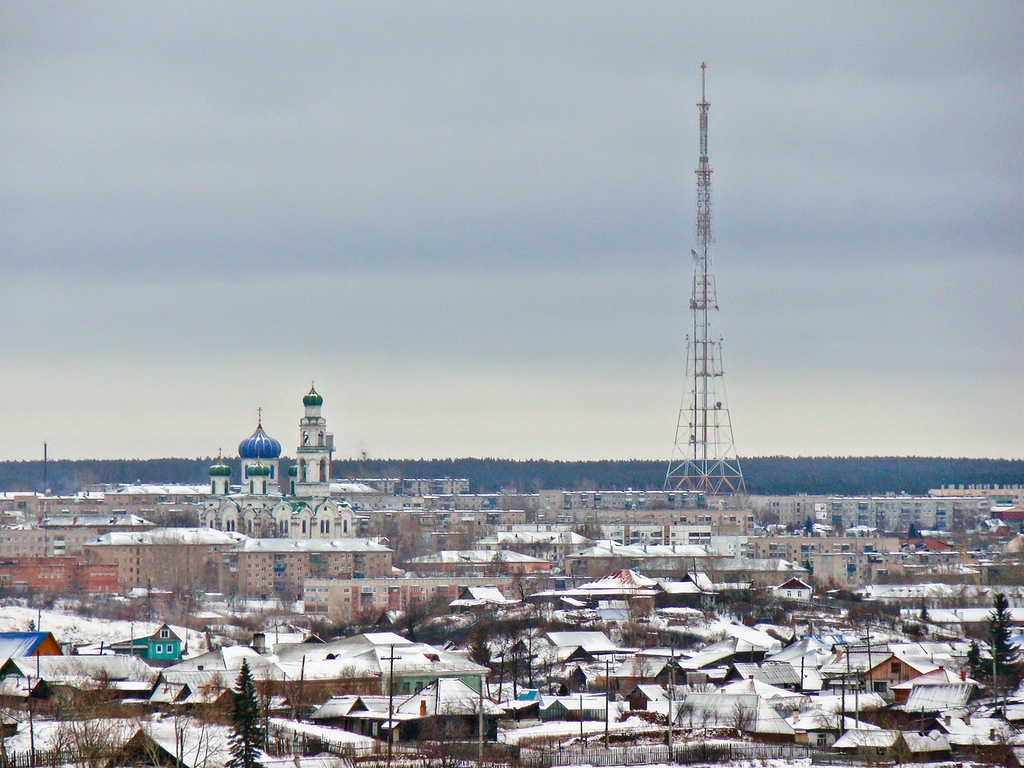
(704, 458)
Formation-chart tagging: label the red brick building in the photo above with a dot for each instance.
(57, 574)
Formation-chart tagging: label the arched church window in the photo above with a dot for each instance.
(305, 438)
(323, 470)
(320, 438)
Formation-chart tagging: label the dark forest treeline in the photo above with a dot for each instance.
(764, 475)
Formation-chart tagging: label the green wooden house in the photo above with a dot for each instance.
(160, 649)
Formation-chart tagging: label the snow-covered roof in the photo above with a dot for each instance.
(778, 673)
(749, 712)
(85, 671)
(157, 536)
(475, 557)
(591, 642)
(608, 548)
(856, 702)
(979, 731)
(506, 538)
(820, 720)
(20, 643)
(95, 521)
(481, 596)
(940, 676)
(772, 693)
(448, 696)
(311, 545)
(355, 488)
(374, 654)
(923, 743)
(939, 698)
(863, 738)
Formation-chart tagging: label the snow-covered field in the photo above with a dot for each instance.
(77, 630)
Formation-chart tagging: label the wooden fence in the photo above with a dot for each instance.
(698, 752)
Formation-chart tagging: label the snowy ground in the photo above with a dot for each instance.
(78, 630)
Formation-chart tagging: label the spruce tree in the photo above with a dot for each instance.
(999, 633)
(248, 736)
(975, 667)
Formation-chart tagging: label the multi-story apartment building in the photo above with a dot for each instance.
(269, 568)
(62, 535)
(679, 533)
(891, 514)
(479, 562)
(188, 559)
(1006, 495)
(57, 575)
(415, 486)
(653, 560)
(800, 549)
(350, 600)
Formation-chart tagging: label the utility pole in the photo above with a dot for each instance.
(607, 698)
(704, 457)
(480, 721)
(391, 702)
(671, 698)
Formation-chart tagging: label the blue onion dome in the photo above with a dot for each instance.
(293, 471)
(259, 445)
(313, 398)
(257, 470)
(220, 469)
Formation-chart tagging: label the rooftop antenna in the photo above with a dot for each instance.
(704, 457)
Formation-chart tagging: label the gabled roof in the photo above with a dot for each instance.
(448, 696)
(939, 698)
(861, 738)
(774, 672)
(940, 676)
(718, 709)
(22, 643)
(592, 642)
(925, 743)
(820, 720)
(794, 583)
(764, 690)
(82, 671)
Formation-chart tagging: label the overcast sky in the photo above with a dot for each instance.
(470, 223)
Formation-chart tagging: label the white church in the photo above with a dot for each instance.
(258, 509)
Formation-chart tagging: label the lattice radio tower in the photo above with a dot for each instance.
(704, 457)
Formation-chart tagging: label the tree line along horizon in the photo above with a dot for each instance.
(768, 476)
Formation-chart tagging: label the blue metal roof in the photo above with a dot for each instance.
(14, 644)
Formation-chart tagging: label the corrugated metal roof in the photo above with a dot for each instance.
(936, 698)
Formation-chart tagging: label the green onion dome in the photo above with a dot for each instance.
(293, 471)
(313, 398)
(257, 470)
(220, 470)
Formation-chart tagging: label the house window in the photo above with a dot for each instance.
(158, 648)
(894, 668)
(165, 633)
